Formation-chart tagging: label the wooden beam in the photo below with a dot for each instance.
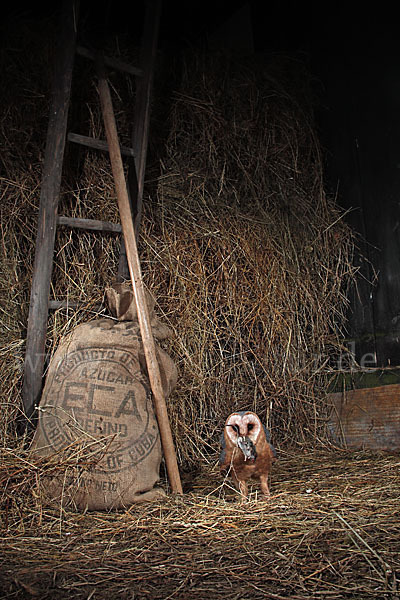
(137, 284)
(51, 181)
(119, 65)
(96, 144)
(89, 224)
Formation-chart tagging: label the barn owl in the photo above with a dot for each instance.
(246, 451)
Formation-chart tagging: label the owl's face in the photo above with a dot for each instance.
(245, 424)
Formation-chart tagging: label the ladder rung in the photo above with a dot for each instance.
(111, 62)
(90, 224)
(55, 304)
(84, 140)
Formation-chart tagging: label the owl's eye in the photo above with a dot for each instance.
(234, 427)
(250, 426)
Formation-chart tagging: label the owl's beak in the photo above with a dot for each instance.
(247, 447)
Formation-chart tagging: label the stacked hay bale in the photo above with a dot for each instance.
(248, 257)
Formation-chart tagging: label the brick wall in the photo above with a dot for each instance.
(367, 418)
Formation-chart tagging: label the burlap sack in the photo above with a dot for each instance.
(97, 407)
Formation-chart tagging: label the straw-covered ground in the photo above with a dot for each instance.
(250, 261)
(330, 530)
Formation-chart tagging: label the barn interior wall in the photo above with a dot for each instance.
(360, 130)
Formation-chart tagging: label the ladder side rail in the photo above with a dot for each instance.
(132, 191)
(49, 196)
(142, 109)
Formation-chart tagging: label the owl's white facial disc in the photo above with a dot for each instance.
(251, 424)
(245, 425)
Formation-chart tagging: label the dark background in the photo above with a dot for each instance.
(352, 52)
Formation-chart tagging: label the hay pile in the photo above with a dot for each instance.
(249, 259)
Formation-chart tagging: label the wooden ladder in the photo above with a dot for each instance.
(57, 136)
